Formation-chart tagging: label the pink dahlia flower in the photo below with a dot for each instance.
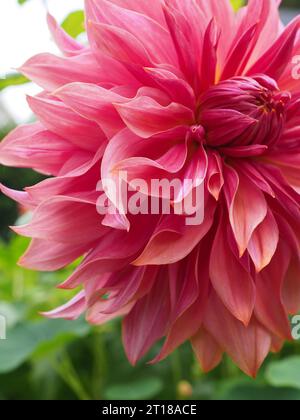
(167, 89)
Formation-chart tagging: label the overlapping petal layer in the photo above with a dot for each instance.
(171, 89)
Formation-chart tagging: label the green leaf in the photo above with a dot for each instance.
(26, 339)
(74, 23)
(136, 390)
(20, 343)
(237, 4)
(12, 80)
(256, 392)
(22, 1)
(285, 373)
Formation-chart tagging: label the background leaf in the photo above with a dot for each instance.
(257, 392)
(285, 373)
(27, 338)
(12, 80)
(237, 4)
(142, 389)
(74, 23)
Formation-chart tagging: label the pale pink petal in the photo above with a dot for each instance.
(51, 72)
(65, 42)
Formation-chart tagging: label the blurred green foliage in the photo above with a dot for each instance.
(74, 23)
(57, 359)
(237, 4)
(12, 80)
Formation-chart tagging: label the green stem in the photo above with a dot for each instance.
(176, 368)
(68, 374)
(100, 365)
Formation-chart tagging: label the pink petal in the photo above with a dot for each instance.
(168, 246)
(114, 251)
(215, 179)
(147, 321)
(239, 54)
(118, 44)
(247, 207)
(32, 146)
(56, 218)
(207, 351)
(153, 36)
(269, 308)
(71, 311)
(21, 197)
(65, 42)
(247, 346)
(232, 282)
(264, 241)
(44, 255)
(209, 56)
(153, 9)
(177, 89)
(146, 117)
(291, 287)
(188, 300)
(51, 72)
(64, 122)
(276, 59)
(94, 103)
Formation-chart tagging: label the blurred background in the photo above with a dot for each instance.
(44, 359)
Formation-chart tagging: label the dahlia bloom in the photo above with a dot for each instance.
(171, 89)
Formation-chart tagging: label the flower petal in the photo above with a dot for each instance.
(247, 346)
(146, 117)
(231, 281)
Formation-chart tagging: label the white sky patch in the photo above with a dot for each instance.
(24, 33)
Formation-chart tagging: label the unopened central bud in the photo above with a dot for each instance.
(244, 111)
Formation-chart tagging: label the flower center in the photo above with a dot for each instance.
(244, 111)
